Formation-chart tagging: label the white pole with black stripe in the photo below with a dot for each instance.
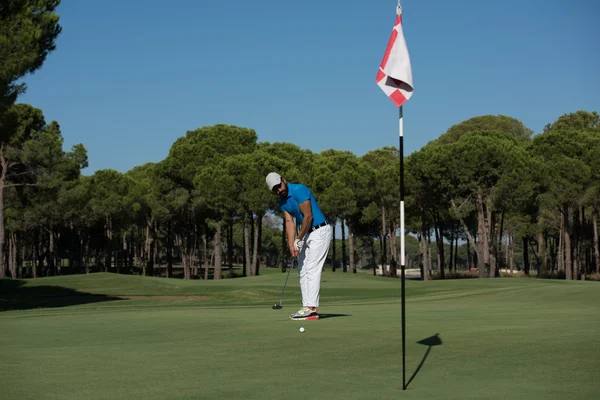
(402, 246)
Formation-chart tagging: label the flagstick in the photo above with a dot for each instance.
(402, 267)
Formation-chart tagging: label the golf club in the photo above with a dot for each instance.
(280, 305)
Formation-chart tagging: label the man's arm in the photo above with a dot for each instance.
(307, 222)
(290, 230)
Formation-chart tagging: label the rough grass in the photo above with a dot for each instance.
(466, 339)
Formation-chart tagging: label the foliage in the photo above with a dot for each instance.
(28, 31)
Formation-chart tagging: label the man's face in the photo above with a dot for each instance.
(281, 189)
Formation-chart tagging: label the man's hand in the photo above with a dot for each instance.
(298, 244)
(296, 247)
(294, 251)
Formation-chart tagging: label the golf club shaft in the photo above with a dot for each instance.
(286, 281)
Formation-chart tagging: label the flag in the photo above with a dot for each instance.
(395, 75)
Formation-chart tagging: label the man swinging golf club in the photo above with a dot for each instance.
(311, 245)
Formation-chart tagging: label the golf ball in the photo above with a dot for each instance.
(301, 329)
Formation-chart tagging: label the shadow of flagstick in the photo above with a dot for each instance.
(430, 342)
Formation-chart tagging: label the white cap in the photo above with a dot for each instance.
(273, 179)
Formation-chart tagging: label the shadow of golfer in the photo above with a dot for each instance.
(323, 316)
(429, 342)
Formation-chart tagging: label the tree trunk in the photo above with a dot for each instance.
(132, 252)
(41, 257)
(246, 267)
(50, 256)
(190, 254)
(507, 250)
(19, 254)
(581, 248)
(478, 249)
(124, 250)
(186, 250)
(373, 254)
(251, 241)
(205, 258)
(542, 254)
(218, 253)
(156, 249)
(229, 233)
(451, 249)
(351, 245)
(108, 250)
(384, 270)
(393, 253)
(468, 254)
(439, 241)
(282, 256)
(344, 264)
(500, 259)
(455, 248)
(56, 252)
(568, 249)
(36, 253)
(80, 250)
(257, 244)
(86, 257)
(575, 242)
(484, 244)
(526, 255)
(491, 227)
(511, 241)
(4, 168)
(561, 245)
(596, 247)
(169, 271)
(149, 248)
(12, 259)
(424, 254)
(429, 256)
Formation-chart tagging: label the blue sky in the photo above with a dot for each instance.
(130, 77)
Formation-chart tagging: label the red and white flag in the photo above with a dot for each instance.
(395, 75)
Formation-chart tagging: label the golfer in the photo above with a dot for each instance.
(311, 245)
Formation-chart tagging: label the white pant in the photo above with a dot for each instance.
(310, 264)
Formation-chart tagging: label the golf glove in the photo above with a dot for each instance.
(298, 244)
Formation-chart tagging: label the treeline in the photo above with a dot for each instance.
(508, 197)
(485, 182)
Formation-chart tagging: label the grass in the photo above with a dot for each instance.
(466, 339)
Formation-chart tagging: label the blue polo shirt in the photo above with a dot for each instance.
(297, 194)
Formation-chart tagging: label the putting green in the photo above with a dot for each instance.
(466, 339)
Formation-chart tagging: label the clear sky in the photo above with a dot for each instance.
(129, 77)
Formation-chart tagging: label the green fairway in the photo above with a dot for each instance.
(480, 339)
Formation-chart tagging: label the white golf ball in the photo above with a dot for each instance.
(301, 329)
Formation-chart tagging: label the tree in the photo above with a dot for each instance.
(477, 164)
(28, 31)
(33, 157)
(109, 190)
(570, 149)
(342, 182)
(429, 190)
(489, 215)
(385, 163)
(194, 160)
(485, 123)
(257, 196)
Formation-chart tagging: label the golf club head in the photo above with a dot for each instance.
(277, 307)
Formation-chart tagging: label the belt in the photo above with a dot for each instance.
(322, 224)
